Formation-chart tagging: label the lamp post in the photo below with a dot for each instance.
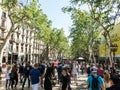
(114, 48)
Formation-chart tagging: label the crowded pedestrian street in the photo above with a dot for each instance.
(81, 84)
(59, 44)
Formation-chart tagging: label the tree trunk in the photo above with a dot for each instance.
(110, 52)
(47, 52)
(94, 59)
(5, 42)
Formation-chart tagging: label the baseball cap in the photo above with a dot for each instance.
(94, 69)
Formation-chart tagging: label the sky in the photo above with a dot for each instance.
(52, 8)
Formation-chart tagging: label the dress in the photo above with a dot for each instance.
(65, 80)
(47, 82)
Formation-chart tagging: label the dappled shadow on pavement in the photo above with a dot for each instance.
(82, 86)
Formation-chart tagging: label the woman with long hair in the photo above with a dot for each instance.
(65, 80)
(106, 77)
(47, 81)
(14, 76)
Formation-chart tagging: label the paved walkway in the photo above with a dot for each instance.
(81, 84)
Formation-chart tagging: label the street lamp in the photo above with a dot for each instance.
(114, 48)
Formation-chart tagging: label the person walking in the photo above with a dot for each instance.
(7, 76)
(106, 77)
(115, 81)
(94, 81)
(75, 72)
(13, 76)
(35, 77)
(26, 75)
(48, 76)
(65, 80)
(21, 72)
(16, 75)
(100, 71)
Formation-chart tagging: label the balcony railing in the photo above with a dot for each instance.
(2, 37)
(3, 26)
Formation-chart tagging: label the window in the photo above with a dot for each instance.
(21, 48)
(3, 23)
(26, 48)
(26, 32)
(2, 33)
(26, 40)
(29, 49)
(22, 39)
(17, 47)
(17, 37)
(23, 31)
(12, 36)
(4, 15)
(10, 47)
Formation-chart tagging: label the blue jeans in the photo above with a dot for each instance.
(24, 81)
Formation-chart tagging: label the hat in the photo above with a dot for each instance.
(94, 69)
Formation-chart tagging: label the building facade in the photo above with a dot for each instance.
(21, 46)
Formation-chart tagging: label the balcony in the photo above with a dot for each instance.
(12, 40)
(23, 34)
(3, 26)
(23, 42)
(18, 32)
(30, 44)
(2, 36)
(17, 41)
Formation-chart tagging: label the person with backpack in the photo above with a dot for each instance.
(59, 71)
(26, 75)
(94, 81)
(21, 72)
(13, 76)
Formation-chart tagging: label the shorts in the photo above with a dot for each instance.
(35, 86)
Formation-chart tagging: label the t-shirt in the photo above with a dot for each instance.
(27, 70)
(35, 74)
(100, 72)
(89, 80)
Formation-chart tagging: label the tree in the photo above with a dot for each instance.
(103, 12)
(83, 33)
(27, 17)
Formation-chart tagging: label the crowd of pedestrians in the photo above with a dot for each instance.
(100, 78)
(46, 74)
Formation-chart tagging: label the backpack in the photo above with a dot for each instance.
(12, 74)
(95, 83)
(21, 69)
